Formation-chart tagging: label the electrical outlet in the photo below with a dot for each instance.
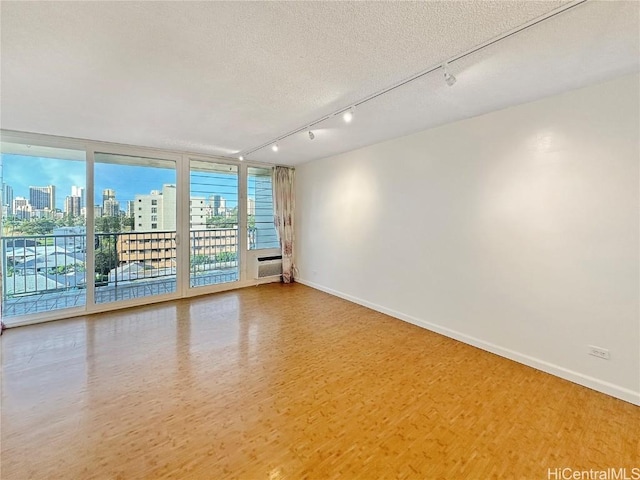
(599, 352)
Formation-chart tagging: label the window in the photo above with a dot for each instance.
(150, 176)
(121, 243)
(214, 211)
(39, 186)
(260, 227)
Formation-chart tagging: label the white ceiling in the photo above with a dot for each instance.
(223, 77)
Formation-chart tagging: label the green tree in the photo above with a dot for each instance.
(10, 225)
(129, 222)
(101, 225)
(116, 224)
(226, 256)
(199, 259)
(219, 221)
(108, 224)
(39, 226)
(106, 259)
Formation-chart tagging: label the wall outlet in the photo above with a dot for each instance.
(599, 352)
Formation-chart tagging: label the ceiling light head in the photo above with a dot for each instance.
(450, 79)
(311, 135)
(274, 147)
(348, 115)
(241, 158)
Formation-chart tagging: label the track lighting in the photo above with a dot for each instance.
(450, 79)
(348, 115)
(436, 68)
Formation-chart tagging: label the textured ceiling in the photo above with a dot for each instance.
(223, 77)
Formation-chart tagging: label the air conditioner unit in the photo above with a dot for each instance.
(268, 267)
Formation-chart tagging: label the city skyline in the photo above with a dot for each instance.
(67, 176)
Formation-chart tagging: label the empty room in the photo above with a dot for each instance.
(320, 240)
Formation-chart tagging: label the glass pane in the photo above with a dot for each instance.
(260, 227)
(213, 209)
(135, 227)
(43, 229)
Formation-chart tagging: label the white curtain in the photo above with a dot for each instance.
(284, 208)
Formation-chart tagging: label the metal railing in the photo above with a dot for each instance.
(37, 263)
(48, 272)
(214, 256)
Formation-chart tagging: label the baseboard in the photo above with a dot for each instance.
(556, 370)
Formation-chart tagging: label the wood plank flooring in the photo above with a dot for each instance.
(286, 382)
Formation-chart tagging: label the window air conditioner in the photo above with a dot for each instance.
(268, 267)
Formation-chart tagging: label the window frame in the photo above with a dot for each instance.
(246, 257)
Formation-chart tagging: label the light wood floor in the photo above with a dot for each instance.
(285, 382)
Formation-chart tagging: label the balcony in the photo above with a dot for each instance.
(42, 273)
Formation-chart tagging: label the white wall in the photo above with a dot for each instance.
(517, 231)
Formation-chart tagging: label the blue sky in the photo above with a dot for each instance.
(20, 172)
(128, 181)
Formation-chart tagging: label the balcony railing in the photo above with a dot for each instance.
(48, 272)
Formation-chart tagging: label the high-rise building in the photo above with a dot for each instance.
(108, 205)
(218, 204)
(198, 212)
(131, 208)
(7, 200)
(108, 194)
(72, 206)
(42, 198)
(157, 211)
(21, 208)
(78, 192)
(110, 208)
(168, 207)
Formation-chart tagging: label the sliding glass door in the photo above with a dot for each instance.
(135, 223)
(89, 226)
(43, 239)
(213, 224)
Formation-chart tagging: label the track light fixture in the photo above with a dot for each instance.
(450, 79)
(241, 158)
(348, 112)
(348, 115)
